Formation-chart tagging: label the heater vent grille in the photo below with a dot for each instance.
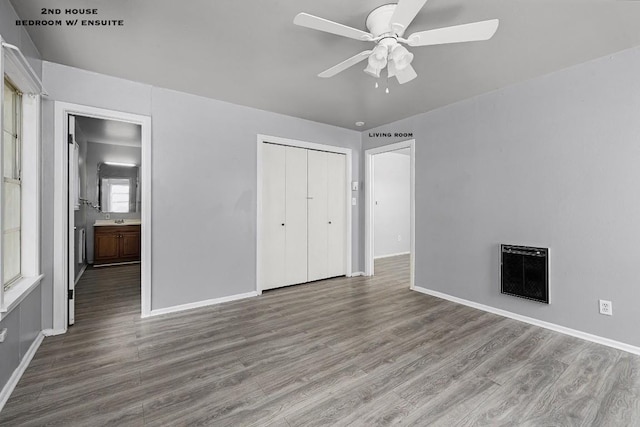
(525, 272)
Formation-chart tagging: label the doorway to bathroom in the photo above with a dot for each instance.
(101, 237)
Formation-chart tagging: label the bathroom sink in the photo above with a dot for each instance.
(106, 222)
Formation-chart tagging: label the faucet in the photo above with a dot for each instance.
(119, 221)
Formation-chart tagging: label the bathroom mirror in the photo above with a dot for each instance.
(118, 188)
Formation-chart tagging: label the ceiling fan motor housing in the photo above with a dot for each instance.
(379, 21)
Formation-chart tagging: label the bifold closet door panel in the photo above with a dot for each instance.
(273, 216)
(337, 219)
(317, 220)
(296, 216)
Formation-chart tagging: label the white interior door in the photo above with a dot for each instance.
(71, 199)
(336, 214)
(317, 218)
(273, 216)
(296, 216)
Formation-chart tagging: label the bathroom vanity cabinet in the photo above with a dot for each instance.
(116, 244)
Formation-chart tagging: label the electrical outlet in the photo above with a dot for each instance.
(606, 307)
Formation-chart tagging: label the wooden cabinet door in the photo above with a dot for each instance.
(130, 245)
(106, 247)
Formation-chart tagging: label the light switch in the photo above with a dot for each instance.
(354, 186)
(3, 334)
(353, 201)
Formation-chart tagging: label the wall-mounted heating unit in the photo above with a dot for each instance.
(525, 272)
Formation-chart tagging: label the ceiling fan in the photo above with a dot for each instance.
(386, 25)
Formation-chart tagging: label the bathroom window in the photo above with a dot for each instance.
(11, 185)
(116, 195)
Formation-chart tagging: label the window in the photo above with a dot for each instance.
(20, 185)
(116, 195)
(11, 184)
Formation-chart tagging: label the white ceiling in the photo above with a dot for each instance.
(112, 132)
(250, 53)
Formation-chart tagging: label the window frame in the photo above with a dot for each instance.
(17, 165)
(16, 68)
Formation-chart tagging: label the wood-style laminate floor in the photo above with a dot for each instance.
(358, 351)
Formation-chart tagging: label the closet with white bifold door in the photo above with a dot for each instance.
(303, 215)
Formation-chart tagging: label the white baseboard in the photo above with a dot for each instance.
(552, 326)
(391, 255)
(200, 304)
(357, 273)
(82, 270)
(53, 332)
(17, 374)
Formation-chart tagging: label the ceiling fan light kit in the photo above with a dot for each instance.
(386, 25)
(372, 71)
(401, 57)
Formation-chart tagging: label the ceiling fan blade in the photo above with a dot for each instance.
(405, 11)
(345, 64)
(406, 74)
(321, 24)
(475, 31)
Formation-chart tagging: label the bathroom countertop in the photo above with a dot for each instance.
(111, 222)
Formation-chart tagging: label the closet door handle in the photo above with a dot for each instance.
(282, 224)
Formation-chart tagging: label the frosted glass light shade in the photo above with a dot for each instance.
(401, 57)
(373, 72)
(378, 58)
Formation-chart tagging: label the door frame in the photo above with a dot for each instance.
(369, 207)
(348, 152)
(63, 245)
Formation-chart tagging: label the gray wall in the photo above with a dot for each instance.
(96, 154)
(392, 216)
(24, 322)
(551, 162)
(79, 87)
(23, 325)
(204, 180)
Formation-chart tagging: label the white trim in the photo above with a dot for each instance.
(30, 184)
(80, 273)
(31, 170)
(53, 332)
(200, 304)
(368, 206)
(17, 373)
(392, 255)
(357, 273)
(71, 248)
(17, 67)
(348, 152)
(61, 111)
(547, 325)
(18, 292)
